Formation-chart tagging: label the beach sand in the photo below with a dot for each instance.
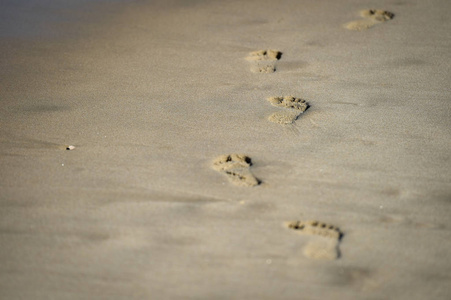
(177, 184)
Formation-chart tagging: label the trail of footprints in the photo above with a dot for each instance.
(325, 238)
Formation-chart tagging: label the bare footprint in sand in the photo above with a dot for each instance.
(324, 242)
(263, 61)
(371, 17)
(289, 102)
(237, 169)
(284, 117)
(294, 108)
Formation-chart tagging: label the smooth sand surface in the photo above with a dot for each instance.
(150, 93)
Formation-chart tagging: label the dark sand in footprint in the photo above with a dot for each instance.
(264, 61)
(324, 243)
(371, 17)
(292, 109)
(237, 168)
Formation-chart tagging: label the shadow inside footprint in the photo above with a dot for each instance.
(289, 102)
(263, 61)
(370, 17)
(378, 15)
(294, 108)
(264, 55)
(237, 168)
(324, 242)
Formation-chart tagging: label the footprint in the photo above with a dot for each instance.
(263, 61)
(237, 169)
(284, 117)
(371, 17)
(295, 107)
(289, 102)
(324, 244)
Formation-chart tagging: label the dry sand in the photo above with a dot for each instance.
(150, 93)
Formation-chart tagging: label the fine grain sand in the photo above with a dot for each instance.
(140, 157)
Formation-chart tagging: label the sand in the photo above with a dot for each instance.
(147, 95)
